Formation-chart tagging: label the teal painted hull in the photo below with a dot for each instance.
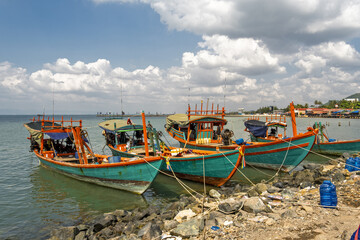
(133, 177)
(116, 152)
(338, 148)
(273, 155)
(219, 167)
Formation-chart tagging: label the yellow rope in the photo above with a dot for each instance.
(238, 169)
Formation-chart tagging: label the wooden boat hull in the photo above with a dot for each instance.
(338, 148)
(134, 176)
(219, 167)
(117, 152)
(285, 154)
(330, 148)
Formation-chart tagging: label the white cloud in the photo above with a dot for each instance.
(329, 54)
(11, 77)
(265, 51)
(222, 58)
(281, 24)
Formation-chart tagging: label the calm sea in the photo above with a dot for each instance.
(34, 200)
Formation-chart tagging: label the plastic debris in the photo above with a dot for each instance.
(275, 197)
(227, 223)
(169, 237)
(215, 228)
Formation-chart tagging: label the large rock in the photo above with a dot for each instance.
(191, 228)
(338, 177)
(255, 205)
(303, 176)
(215, 194)
(184, 215)
(120, 213)
(290, 213)
(150, 231)
(226, 208)
(279, 184)
(311, 166)
(260, 188)
(170, 224)
(230, 205)
(65, 233)
(252, 193)
(345, 155)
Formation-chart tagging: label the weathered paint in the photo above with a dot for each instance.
(219, 167)
(123, 175)
(273, 155)
(338, 147)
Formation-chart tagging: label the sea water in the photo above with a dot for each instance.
(35, 200)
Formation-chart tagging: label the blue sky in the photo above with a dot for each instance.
(129, 35)
(83, 53)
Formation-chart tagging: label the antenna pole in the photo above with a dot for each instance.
(53, 100)
(121, 100)
(224, 91)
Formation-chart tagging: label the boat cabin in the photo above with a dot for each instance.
(126, 136)
(270, 129)
(52, 139)
(199, 126)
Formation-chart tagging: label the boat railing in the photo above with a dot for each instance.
(206, 112)
(271, 118)
(73, 123)
(276, 118)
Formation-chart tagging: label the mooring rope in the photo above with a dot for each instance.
(238, 168)
(287, 151)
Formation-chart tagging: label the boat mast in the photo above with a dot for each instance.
(293, 120)
(224, 92)
(121, 100)
(145, 134)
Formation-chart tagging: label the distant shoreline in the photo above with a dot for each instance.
(227, 115)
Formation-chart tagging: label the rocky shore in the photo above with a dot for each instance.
(286, 208)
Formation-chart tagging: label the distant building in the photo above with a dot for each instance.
(241, 111)
(278, 112)
(353, 98)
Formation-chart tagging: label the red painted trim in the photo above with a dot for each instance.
(103, 165)
(278, 150)
(232, 147)
(235, 168)
(340, 142)
(200, 157)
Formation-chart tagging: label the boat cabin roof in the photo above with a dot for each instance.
(119, 125)
(183, 119)
(38, 125)
(259, 128)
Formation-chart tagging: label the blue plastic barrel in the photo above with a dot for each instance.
(350, 163)
(328, 197)
(114, 159)
(76, 155)
(332, 140)
(357, 164)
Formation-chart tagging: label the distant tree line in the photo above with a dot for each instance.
(342, 104)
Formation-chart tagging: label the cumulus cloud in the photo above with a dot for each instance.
(254, 52)
(283, 25)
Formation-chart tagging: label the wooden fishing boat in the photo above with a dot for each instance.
(64, 148)
(126, 139)
(214, 168)
(331, 146)
(204, 130)
(268, 131)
